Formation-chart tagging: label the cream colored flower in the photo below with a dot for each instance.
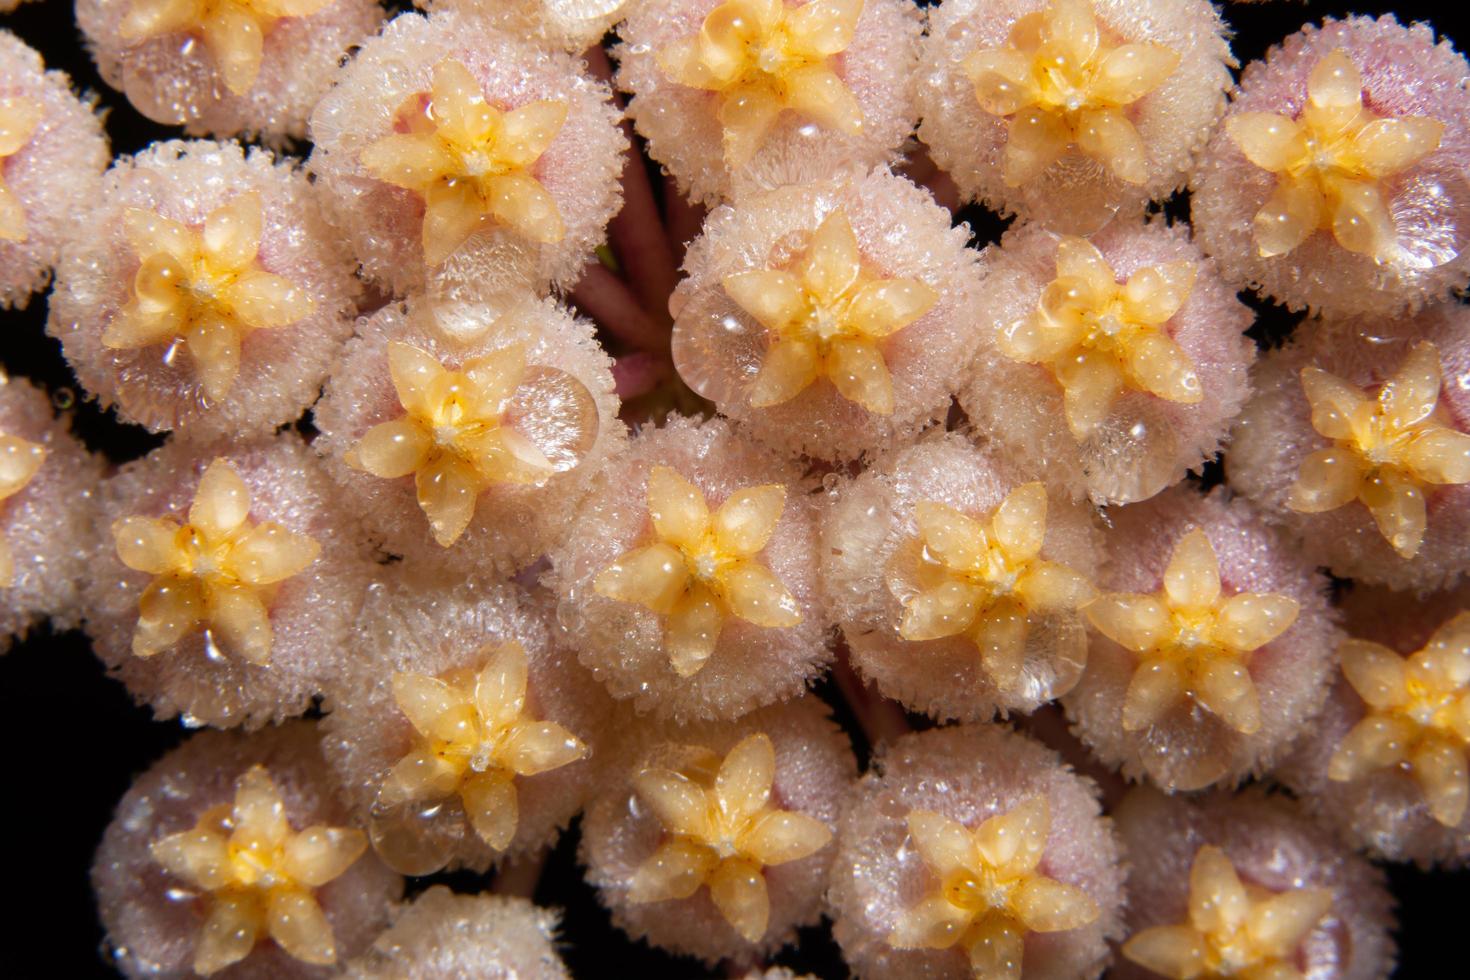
(1234, 929)
(258, 876)
(827, 319)
(203, 290)
(19, 118)
(1098, 337)
(19, 461)
(988, 891)
(764, 58)
(1330, 163)
(1418, 716)
(702, 568)
(986, 580)
(1192, 641)
(218, 572)
(722, 831)
(233, 30)
(475, 738)
(471, 162)
(1061, 84)
(1385, 450)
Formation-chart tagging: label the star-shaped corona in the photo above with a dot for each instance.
(202, 290)
(1060, 85)
(1098, 337)
(218, 572)
(20, 459)
(474, 738)
(989, 891)
(1386, 450)
(702, 569)
(1331, 164)
(1192, 641)
(234, 31)
(1418, 716)
(985, 579)
(1234, 929)
(257, 877)
(763, 58)
(826, 319)
(722, 830)
(471, 163)
(453, 436)
(19, 118)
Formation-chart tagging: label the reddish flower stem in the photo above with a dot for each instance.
(638, 374)
(683, 219)
(921, 169)
(519, 877)
(881, 720)
(608, 300)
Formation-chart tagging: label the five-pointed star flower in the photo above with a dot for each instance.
(702, 568)
(826, 319)
(471, 162)
(1234, 929)
(218, 571)
(1384, 450)
(203, 289)
(724, 831)
(259, 876)
(1418, 716)
(985, 579)
(233, 30)
(989, 891)
(1192, 642)
(454, 436)
(19, 118)
(474, 739)
(1061, 84)
(764, 58)
(1097, 337)
(19, 461)
(1331, 163)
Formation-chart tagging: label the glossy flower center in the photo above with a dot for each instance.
(701, 569)
(1331, 164)
(471, 163)
(1234, 930)
(722, 830)
(218, 572)
(19, 118)
(826, 319)
(1061, 85)
(258, 876)
(1386, 450)
(1193, 642)
(764, 58)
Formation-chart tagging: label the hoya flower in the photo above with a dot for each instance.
(831, 319)
(259, 874)
(467, 161)
(48, 513)
(1212, 646)
(1385, 765)
(688, 582)
(572, 26)
(209, 296)
(466, 734)
(52, 154)
(1070, 111)
(1246, 886)
(239, 67)
(470, 449)
(444, 936)
(1109, 367)
(229, 856)
(228, 582)
(713, 840)
(1333, 184)
(1357, 444)
(735, 95)
(973, 851)
(958, 591)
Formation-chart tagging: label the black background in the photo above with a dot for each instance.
(71, 739)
